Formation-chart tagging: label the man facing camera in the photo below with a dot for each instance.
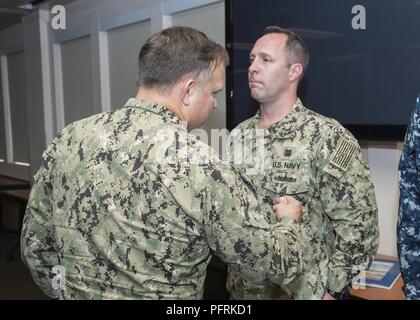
(129, 205)
(312, 158)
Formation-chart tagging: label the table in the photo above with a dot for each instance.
(18, 191)
(371, 293)
(7, 183)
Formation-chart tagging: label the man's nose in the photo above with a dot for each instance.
(252, 67)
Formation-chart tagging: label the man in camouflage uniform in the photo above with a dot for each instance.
(301, 153)
(129, 204)
(408, 225)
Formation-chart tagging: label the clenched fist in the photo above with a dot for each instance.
(288, 206)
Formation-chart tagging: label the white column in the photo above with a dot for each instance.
(47, 78)
(383, 162)
(103, 58)
(6, 107)
(96, 64)
(39, 92)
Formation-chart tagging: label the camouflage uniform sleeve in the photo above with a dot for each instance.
(239, 235)
(348, 198)
(408, 224)
(37, 237)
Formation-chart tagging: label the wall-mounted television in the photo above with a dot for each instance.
(364, 68)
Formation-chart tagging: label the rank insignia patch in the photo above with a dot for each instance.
(287, 152)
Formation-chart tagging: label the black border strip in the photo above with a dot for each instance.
(229, 70)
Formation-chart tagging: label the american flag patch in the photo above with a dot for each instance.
(343, 154)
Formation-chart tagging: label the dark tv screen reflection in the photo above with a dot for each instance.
(364, 68)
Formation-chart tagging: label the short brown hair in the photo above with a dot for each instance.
(171, 54)
(298, 52)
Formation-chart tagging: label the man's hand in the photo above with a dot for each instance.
(288, 206)
(327, 296)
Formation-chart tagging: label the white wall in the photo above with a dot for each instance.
(13, 103)
(77, 81)
(124, 44)
(210, 20)
(110, 64)
(39, 89)
(17, 94)
(383, 158)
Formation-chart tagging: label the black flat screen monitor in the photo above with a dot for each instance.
(364, 68)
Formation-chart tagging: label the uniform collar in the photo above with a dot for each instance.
(286, 127)
(156, 108)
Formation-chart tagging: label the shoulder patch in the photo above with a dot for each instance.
(343, 153)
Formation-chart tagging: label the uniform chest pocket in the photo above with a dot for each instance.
(256, 220)
(279, 183)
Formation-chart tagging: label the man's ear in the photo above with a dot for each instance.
(295, 72)
(187, 87)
